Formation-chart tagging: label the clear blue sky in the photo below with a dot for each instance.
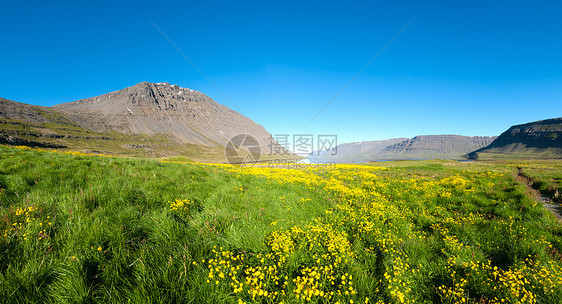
(462, 67)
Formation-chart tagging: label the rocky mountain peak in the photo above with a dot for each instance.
(164, 108)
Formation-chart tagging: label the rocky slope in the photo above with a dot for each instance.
(161, 108)
(158, 118)
(539, 139)
(419, 147)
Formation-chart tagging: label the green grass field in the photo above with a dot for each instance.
(546, 176)
(95, 229)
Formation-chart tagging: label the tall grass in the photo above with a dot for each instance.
(100, 229)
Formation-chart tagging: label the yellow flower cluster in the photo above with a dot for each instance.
(513, 285)
(516, 284)
(326, 251)
(25, 221)
(180, 205)
(323, 248)
(376, 207)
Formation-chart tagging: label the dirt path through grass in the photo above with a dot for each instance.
(547, 202)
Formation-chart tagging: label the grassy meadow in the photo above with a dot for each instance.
(96, 229)
(546, 176)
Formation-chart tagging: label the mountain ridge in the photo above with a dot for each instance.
(354, 151)
(538, 139)
(445, 146)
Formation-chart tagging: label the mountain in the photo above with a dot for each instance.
(147, 119)
(161, 108)
(539, 139)
(354, 152)
(419, 147)
(435, 146)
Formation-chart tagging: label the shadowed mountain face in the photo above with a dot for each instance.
(539, 139)
(154, 119)
(419, 147)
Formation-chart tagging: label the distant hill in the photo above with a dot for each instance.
(539, 139)
(354, 152)
(419, 147)
(147, 119)
(436, 146)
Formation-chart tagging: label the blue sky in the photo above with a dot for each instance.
(461, 67)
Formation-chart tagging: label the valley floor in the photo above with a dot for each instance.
(83, 228)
